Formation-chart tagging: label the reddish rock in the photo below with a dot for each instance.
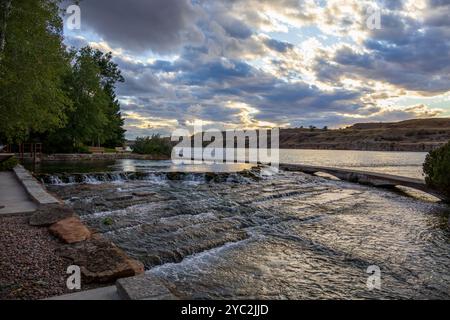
(137, 266)
(101, 261)
(70, 230)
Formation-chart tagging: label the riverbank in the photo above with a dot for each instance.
(30, 265)
(418, 135)
(74, 157)
(40, 242)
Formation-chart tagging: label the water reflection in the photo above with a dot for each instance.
(407, 164)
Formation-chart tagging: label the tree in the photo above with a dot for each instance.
(33, 63)
(95, 118)
(5, 7)
(153, 145)
(113, 134)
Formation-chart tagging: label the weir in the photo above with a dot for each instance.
(368, 178)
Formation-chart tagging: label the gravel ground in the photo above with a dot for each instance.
(29, 266)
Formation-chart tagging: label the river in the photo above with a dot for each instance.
(283, 235)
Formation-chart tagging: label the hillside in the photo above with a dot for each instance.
(409, 135)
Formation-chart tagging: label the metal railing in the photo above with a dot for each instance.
(25, 151)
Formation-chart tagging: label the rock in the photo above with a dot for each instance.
(137, 266)
(70, 230)
(101, 261)
(120, 198)
(146, 287)
(143, 194)
(49, 215)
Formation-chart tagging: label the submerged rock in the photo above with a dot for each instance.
(120, 198)
(48, 215)
(143, 194)
(101, 261)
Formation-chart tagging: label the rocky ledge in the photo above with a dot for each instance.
(100, 261)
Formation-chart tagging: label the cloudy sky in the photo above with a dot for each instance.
(264, 63)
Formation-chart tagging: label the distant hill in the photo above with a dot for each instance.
(409, 135)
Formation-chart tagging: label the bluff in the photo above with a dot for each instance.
(409, 135)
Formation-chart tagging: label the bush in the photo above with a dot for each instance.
(154, 145)
(437, 169)
(108, 221)
(81, 149)
(8, 164)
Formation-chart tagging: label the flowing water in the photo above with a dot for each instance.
(251, 234)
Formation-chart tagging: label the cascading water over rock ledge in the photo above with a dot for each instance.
(244, 235)
(103, 177)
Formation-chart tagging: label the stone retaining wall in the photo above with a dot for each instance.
(100, 156)
(36, 190)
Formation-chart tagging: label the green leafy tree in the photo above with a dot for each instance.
(33, 64)
(113, 132)
(87, 118)
(5, 9)
(437, 169)
(95, 118)
(153, 145)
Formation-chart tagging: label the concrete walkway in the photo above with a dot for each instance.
(106, 293)
(13, 197)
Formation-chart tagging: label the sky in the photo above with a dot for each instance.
(272, 63)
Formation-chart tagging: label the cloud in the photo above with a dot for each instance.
(260, 62)
(409, 53)
(139, 25)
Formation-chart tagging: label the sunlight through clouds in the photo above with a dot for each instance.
(274, 63)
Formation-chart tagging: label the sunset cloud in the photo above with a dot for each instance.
(267, 63)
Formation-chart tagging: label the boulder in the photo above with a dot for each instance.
(120, 198)
(137, 266)
(48, 215)
(101, 261)
(70, 230)
(143, 194)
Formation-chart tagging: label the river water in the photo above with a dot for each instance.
(252, 234)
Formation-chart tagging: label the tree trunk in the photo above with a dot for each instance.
(6, 9)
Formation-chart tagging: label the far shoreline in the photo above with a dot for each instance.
(74, 157)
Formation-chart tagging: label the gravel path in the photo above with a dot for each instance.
(29, 266)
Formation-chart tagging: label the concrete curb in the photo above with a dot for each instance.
(36, 190)
(105, 293)
(143, 287)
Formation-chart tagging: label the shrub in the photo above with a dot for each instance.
(81, 149)
(8, 164)
(437, 169)
(108, 221)
(154, 145)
